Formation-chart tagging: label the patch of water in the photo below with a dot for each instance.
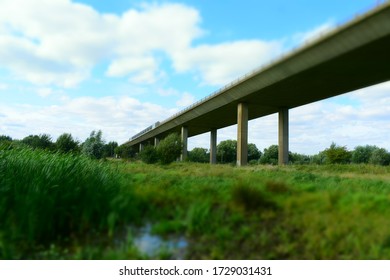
(152, 245)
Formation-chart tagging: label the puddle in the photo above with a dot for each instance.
(153, 245)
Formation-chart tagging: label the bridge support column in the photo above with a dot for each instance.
(242, 134)
(184, 140)
(141, 147)
(283, 136)
(156, 141)
(213, 146)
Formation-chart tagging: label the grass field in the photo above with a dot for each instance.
(56, 206)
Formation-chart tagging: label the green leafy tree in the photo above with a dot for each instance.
(199, 155)
(5, 138)
(319, 158)
(125, 151)
(337, 154)
(109, 149)
(227, 151)
(93, 146)
(270, 155)
(253, 152)
(149, 154)
(66, 144)
(362, 154)
(5, 142)
(42, 141)
(296, 158)
(380, 156)
(169, 149)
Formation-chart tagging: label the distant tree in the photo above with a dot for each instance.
(169, 149)
(270, 155)
(296, 158)
(253, 152)
(5, 138)
(65, 143)
(42, 141)
(337, 154)
(149, 154)
(199, 155)
(109, 149)
(362, 154)
(380, 156)
(227, 151)
(319, 158)
(125, 151)
(93, 146)
(5, 142)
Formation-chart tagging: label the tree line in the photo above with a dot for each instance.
(335, 154)
(169, 150)
(94, 146)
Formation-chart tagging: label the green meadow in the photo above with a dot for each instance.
(64, 206)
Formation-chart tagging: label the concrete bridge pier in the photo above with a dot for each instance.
(156, 141)
(141, 147)
(213, 146)
(283, 136)
(242, 134)
(184, 140)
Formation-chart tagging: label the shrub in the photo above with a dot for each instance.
(125, 151)
(169, 149)
(149, 155)
(337, 154)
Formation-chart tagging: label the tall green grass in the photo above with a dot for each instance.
(51, 198)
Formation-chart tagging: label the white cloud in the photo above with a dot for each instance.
(220, 64)
(3, 86)
(186, 100)
(59, 42)
(45, 92)
(313, 34)
(118, 118)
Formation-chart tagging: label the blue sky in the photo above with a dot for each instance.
(119, 66)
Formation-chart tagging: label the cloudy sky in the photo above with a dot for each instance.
(119, 66)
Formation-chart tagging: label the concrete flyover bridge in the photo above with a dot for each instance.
(353, 56)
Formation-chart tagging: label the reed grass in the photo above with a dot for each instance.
(48, 198)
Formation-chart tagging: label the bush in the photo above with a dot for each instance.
(125, 151)
(109, 149)
(149, 155)
(169, 149)
(337, 154)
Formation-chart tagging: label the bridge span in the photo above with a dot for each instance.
(353, 56)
